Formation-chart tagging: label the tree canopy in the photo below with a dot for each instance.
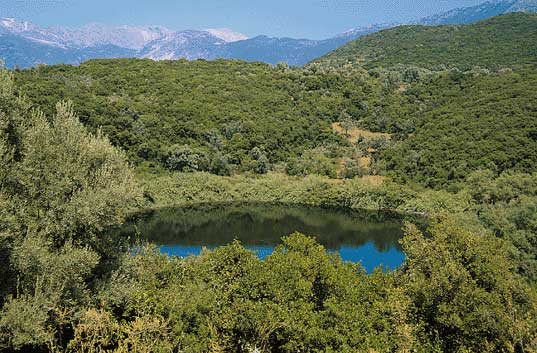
(502, 41)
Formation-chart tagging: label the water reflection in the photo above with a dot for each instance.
(370, 238)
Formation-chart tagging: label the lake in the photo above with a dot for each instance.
(367, 237)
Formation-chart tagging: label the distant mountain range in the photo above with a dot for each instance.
(24, 44)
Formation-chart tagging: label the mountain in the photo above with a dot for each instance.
(24, 44)
(227, 34)
(91, 35)
(29, 32)
(505, 40)
(182, 45)
(65, 45)
(296, 52)
(71, 45)
(479, 12)
(130, 37)
(22, 52)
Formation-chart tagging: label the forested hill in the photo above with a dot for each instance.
(220, 109)
(465, 122)
(225, 115)
(506, 40)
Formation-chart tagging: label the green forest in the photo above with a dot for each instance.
(435, 124)
(217, 111)
(487, 44)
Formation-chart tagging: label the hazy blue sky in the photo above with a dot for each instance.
(294, 18)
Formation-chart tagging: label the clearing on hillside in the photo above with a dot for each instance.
(353, 134)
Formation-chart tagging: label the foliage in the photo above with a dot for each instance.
(507, 206)
(184, 158)
(60, 188)
(300, 298)
(72, 184)
(468, 284)
(464, 291)
(464, 123)
(51, 290)
(176, 189)
(494, 43)
(225, 108)
(352, 169)
(316, 161)
(451, 294)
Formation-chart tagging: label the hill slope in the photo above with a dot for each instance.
(479, 12)
(216, 107)
(464, 123)
(501, 41)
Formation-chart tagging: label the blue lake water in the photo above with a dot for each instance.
(368, 238)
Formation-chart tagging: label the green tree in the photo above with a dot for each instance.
(465, 292)
(346, 122)
(60, 189)
(261, 162)
(220, 164)
(186, 159)
(352, 168)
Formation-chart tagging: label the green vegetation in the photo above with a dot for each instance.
(357, 194)
(70, 288)
(207, 116)
(502, 41)
(302, 299)
(465, 122)
(60, 188)
(457, 147)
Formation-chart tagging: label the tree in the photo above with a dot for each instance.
(60, 189)
(314, 161)
(261, 164)
(464, 291)
(72, 184)
(220, 164)
(186, 159)
(346, 122)
(352, 168)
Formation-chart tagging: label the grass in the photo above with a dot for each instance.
(354, 134)
(372, 193)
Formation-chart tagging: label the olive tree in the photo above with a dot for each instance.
(61, 187)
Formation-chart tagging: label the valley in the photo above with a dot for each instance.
(381, 197)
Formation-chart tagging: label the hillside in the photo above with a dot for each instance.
(217, 115)
(464, 123)
(479, 12)
(218, 108)
(506, 40)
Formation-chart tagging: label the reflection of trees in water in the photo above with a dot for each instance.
(261, 224)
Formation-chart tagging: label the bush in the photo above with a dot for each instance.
(186, 159)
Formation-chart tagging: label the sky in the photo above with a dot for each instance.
(314, 19)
